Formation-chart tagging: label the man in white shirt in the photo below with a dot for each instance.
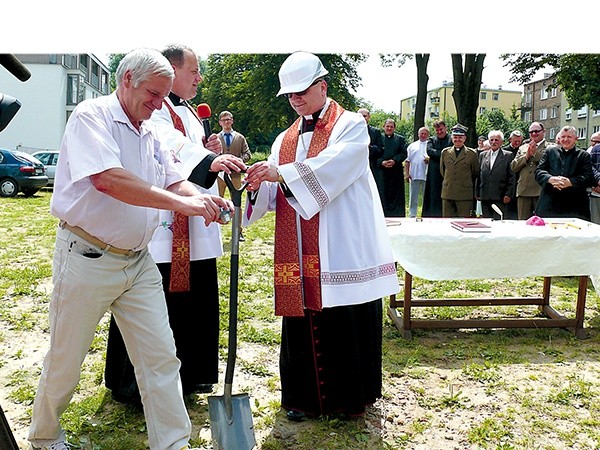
(111, 177)
(194, 308)
(415, 169)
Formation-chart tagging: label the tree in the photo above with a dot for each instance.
(422, 60)
(577, 74)
(113, 62)
(247, 85)
(497, 120)
(467, 85)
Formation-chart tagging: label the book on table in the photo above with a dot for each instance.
(471, 226)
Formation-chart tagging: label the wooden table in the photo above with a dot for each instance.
(433, 250)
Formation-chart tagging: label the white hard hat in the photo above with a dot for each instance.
(298, 72)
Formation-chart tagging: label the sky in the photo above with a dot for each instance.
(385, 87)
(271, 26)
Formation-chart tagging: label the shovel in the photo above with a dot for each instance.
(230, 415)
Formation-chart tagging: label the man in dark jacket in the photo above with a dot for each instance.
(390, 172)
(376, 145)
(432, 198)
(564, 173)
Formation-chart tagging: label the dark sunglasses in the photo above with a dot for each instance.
(535, 131)
(300, 94)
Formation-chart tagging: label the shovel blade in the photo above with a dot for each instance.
(232, 430)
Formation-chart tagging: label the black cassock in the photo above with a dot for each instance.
(432, 198)
(390, 181)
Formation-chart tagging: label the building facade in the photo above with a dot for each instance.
(440, 102)
(545, 103)
(58, 83)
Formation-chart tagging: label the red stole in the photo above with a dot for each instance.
(179, 280)
(292, 287)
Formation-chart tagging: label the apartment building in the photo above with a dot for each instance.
(440, 102)
(544, 102)
(58, 83)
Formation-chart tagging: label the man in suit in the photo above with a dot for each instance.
(514, 142)
(233, 143)
(459, 167)
(495, 181)
(376, 140)
(524, 165)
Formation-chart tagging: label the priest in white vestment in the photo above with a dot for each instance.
(333, 258)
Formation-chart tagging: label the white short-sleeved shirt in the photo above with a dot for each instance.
(98, 137)
(417, 151)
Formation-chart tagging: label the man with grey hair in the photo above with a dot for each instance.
(495, 180)
(564, 173)
(415, 169)
(189, 277)
(112, 175)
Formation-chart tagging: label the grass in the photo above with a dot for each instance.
(467, 389)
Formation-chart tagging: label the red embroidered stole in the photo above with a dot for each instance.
(179, 280)
(297, 280)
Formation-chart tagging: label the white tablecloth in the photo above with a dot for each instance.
(433, 250)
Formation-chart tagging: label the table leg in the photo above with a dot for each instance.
(580, 308)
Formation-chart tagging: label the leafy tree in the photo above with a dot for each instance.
(467, 85)
(497, 120)
(422, 60)
(113, 62)
(577, 74)
(247, 85)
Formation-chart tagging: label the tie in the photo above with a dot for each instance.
(228, 139)
(179, 280)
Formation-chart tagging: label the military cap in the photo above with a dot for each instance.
(459, 129)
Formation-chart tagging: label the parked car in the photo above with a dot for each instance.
(20, 172)
(49, 158)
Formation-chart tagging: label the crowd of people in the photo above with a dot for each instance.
(137, 197)
(522, 178)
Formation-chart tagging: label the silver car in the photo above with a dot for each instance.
(49, 158)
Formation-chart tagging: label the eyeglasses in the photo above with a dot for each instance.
(300, 94)
(595, 142)
(228, 119)
(535, 131)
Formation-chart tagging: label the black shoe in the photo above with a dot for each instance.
(203, 388)
(132, 400)
(295, 416)
(242, 238)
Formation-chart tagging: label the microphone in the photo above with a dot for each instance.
(204, 114)
(498, 210)
(14, 66)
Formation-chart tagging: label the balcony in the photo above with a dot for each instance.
(434, 99)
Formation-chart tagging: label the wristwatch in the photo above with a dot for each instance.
(279, 177)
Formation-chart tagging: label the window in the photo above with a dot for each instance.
(596, 112)
(554, 92)
(527, 116)
(596, 128)
(72, 88)
(495, 96)
(482, 109)
(543, 113)
(552, 133)
(581, 133)
(543, 94)
(582, 112)
(528, 97)
(553, 112)
(568, 113)
(483, 95)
